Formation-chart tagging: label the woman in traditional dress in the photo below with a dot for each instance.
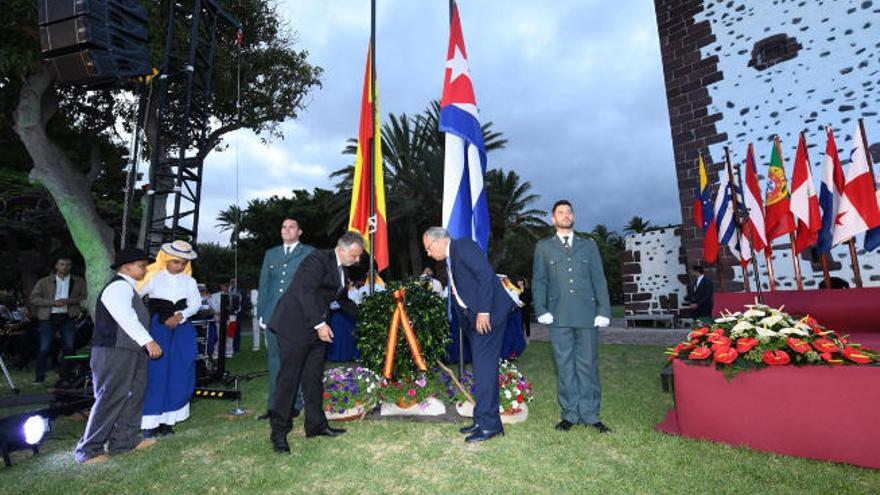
(173, 298)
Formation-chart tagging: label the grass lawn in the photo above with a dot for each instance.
(618, 312)
(213, 454)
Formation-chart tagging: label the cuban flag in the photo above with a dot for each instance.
(465, 208)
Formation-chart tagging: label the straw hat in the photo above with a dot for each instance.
(179, 249)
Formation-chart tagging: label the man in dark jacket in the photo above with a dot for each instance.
(481, 306)
(702, 294)
(300, 321)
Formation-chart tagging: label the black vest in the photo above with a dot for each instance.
(107, 332)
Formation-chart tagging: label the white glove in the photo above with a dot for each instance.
(262, 325)
(546, 319)
(334, 305)
(601, 322)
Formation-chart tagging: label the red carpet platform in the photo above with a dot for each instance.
(849, 311)
(820, 412)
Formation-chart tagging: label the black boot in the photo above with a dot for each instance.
(280, 428)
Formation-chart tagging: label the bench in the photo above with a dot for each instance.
(667, 320)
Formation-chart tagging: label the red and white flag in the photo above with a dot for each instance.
(858, 210)
(804, 202)
(754, 228)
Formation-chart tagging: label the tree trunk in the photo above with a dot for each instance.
(70, 188)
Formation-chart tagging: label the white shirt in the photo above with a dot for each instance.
(563, 236)
(697, 283)
(451, 281)
(62, 291)
(173, 288)
(117, 299)
(288, 248)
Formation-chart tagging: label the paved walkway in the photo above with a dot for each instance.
(618, 334)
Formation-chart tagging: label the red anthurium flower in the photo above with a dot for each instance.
(684, 346)
(745, 344)
(825, 345)
(695, 341)
(829, 358)
(798, 345)
(856, 355)
(776, 358)
(726, 355)
(700, 353)
(812, 323)
(719, 341)
(698, 332)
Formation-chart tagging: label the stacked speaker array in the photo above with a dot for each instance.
(94, 41)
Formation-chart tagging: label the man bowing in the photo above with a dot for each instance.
(300, 322)
(481, 306)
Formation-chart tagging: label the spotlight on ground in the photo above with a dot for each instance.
(20, 432)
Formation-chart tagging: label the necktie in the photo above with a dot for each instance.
(565, 242)
(286, 250)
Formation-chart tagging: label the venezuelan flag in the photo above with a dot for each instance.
(704, 215)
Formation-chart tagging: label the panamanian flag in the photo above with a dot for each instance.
(465, 208)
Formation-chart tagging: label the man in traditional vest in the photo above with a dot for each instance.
(279, 265)
(121, 345)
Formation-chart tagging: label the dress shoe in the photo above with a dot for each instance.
(483, 435)
(469, 430)
(564, 425)
(164, 430)
(279, 444)
(264, 416)
(326, 432)
(151, 433)
(601, 428)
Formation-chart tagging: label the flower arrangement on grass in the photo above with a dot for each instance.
(513, 388)
(453, 393)
(347, 389)
(407, 392)
(763, 336)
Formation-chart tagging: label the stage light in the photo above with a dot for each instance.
(22, 432)
(34, 429)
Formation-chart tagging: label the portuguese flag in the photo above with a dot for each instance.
(777, 203)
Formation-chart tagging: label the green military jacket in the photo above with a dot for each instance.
(569, 283)
(276, 275)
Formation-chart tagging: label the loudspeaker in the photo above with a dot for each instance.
(94, 41)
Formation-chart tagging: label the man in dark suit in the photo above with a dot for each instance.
(300, 322)
(481, 306)
(701, 296)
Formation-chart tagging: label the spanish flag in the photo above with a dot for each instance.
(369, 134)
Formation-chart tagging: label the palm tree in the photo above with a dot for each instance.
(509, 200)
(230, 219)
(637, 225)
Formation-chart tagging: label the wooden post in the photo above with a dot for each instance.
(825, 274)
(857, 272)
(768, 255)
(797, 263)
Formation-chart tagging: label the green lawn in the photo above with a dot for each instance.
(214, 454)
(617, 312)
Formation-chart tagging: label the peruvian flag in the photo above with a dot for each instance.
(830, 191)
(858, 209)
(777, 209)
(754, 228)
(804, 202)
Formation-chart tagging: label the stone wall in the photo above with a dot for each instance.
(654, 273)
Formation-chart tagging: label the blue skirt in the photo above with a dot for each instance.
(344, 345)
(171, 379)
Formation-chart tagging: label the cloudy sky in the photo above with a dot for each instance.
(576, 86)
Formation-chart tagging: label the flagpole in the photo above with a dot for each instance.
(739, 180)
(736, 219)
(449, 300)
(857, 272)
(371, 223)
(825, 275)
(794, 256)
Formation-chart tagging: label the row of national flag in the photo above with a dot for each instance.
(465, 208)
(845, 205)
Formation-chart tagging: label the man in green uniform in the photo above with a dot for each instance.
(279, 265)
(570, 295)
